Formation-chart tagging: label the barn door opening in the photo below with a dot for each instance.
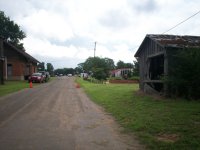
(156, 72)
(156, 67)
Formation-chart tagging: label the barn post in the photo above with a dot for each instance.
(1, 62)
(165, 71)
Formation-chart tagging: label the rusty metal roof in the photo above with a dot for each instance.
(176, 40)
(165, 40)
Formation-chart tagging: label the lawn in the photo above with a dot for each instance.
(14, 86)
(159, 124)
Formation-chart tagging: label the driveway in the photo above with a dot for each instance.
(58, 116)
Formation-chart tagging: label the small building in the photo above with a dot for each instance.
(154, 59)
(121, 72)
(15, 64)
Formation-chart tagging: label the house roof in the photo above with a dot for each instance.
(172, 41)
(22, 52)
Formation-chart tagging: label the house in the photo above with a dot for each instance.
(154, 59)
(121, 72)
(15, 64)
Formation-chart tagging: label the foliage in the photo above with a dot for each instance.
(64, 71)
(10, 31)
(115, 78)
(121, 64)
(135, 68)
(159, 124)
(13, 86)
(134, 78)
(41, 66)
(184, 73)
(50, 68)
(98, 67)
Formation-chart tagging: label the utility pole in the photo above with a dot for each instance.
(95, 44)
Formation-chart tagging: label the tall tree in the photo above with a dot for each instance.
(120, 64)
(136, 68)
(99, 67)
(50, 68)
(41, 66)
(110, 63)
(10, 31)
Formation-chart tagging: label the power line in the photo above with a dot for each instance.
(181, 22)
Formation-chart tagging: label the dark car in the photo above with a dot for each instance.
(37, 77)
(46, 75)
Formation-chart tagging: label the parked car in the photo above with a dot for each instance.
(37, 77)
(69, 75)
(46, 75)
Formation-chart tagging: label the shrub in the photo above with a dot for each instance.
(184, 73)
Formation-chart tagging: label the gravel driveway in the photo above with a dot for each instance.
(58, 116)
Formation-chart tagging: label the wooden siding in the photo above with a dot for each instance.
(148, 48)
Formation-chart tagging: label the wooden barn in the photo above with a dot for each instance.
(154, 59)
(15, 64)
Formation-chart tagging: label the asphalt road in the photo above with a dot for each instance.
(58, 116)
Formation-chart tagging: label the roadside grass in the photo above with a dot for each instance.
(14, 86)
(159, 124)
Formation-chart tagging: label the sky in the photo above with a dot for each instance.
(63, 32)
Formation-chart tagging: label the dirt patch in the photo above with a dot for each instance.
(167, 137)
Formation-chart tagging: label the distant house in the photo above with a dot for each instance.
(15, 64)
(121, 72)
(154, 58)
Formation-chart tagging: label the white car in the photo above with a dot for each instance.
(69, 75)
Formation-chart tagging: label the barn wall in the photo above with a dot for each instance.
(148, 48)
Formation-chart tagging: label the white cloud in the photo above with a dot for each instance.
(60, 30)
(47, 25)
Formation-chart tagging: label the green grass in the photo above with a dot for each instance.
(159, 124)
(14, 86)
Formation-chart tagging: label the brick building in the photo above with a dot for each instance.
(15, 64)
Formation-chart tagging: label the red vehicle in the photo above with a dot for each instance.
(37, 77)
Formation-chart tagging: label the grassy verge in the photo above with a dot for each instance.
(14, 86)
(159, 124)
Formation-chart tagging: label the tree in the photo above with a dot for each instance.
(98, 67)
(64, 71)
(50, 68)
(136, 68)
(41, 66)
(184, 73)
(120, 64)
(10, 31)
(110, 63)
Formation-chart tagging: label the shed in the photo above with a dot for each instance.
(153, 56)
(15, 64)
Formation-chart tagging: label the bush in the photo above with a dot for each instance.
(115, 78)
(134, 78)
(184, 74)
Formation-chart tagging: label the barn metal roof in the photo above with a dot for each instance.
(172, 41)
(176, 40)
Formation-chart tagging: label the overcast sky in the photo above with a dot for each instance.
(63, 32)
